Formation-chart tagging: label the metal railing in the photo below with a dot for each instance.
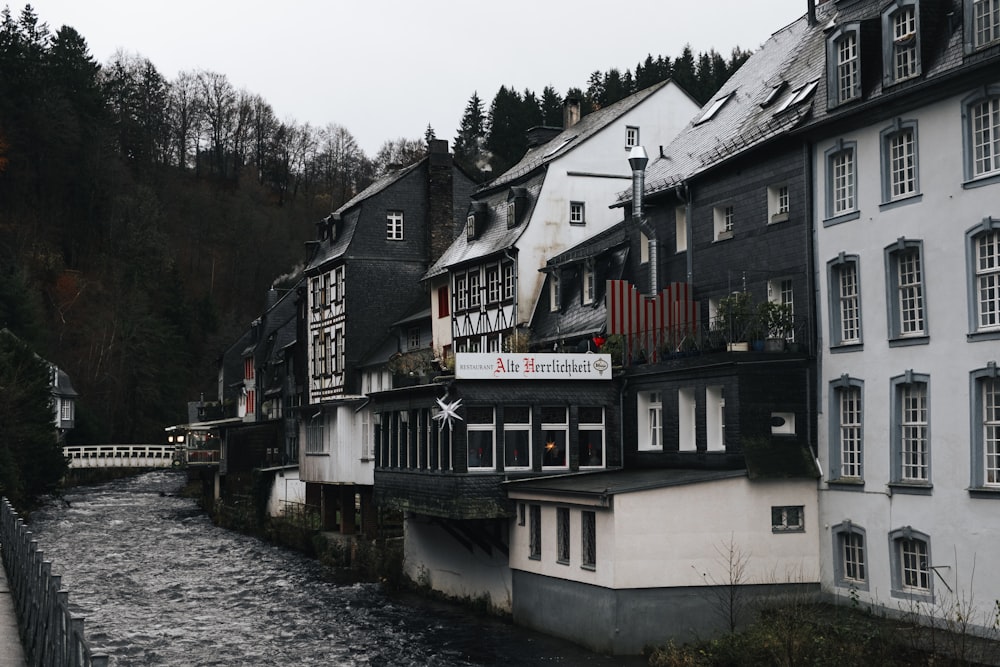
(121, 456)
(52, 635)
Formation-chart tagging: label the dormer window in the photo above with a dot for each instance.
(843, 64)
(900, 34)
(589, 281)
(517, 200)
(982, 23)
(475, 220)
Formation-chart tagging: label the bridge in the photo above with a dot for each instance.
(123, 456)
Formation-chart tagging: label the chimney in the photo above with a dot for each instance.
(440, 199)
(811, 12)
(571, 112)
(637, 160)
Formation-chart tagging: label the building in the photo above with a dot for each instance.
(363, 272)
(905, 177)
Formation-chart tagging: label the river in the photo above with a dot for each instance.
(159, 584)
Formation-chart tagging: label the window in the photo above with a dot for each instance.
(787, 519)
(981, 133)
(905, 297)
(314, 434)
(901, 57)
(631, 136)
(339, 350)
(899, 160)
(562, 535)
(555, 431)
(413, 338)
(841, 182)
(470, 227)
(535, 532)
(508, 280)
(910, 564)
(442, 296)
(66, 410)
(474, 293)
(650, 420)
(687, 420)
(983, 258)
(910, 436)
(590, 444)
(846, 430)
(777, 203)
(849, 556)
(985, 393)
(317, 293)
(588, 540)
(394, 226)
(576, 213)
(589, 280)
(493, 284)
(680, 233)
(715, 418)
(554, 296)
(844, 80)
(845, 300)
(782, 293)
(511, 214)
(516, 437)
(982, 23)
(724, 222)
(480, 430)
(461, 293)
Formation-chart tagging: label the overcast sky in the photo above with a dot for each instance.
(384, 69)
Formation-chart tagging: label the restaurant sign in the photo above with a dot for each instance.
(529, 366)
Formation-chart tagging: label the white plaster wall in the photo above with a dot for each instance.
(340, 462)
(963, 530)
(659, 119)
(433, 557)
(287, 487)
(680, 536)
(440, 326)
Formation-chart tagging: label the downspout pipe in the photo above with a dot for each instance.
(513, 261)
(638, 159)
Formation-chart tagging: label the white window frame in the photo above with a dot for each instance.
(687, 420)
(461, 292)
(507, 270)
(982, 249)
(911, 565)
(577, 213)
(475, 294)
(724, 217)
(589, 284)
(482, 427)
(844, 286)
(587, 427)
(900, 175)
(984, 388)
(901, 35)
(523, 460)
(844, 65)
(394, 225)
(631, 136)
(847, 435)
(841, 182)
(849, 556)
(551, 427)
(493, 284)
(554, 292)
(982, 24)
(777, 203)
(680, 234)
(649, 419)
(715, 418)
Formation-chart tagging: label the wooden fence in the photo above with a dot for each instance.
(51, 634)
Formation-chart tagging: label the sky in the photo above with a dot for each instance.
(384, 69)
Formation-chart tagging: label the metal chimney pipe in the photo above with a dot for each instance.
(638, 160)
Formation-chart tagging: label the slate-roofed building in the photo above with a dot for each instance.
(484, 288)
(905, 136)
(362, 273)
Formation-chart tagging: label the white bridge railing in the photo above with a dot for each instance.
(122, 456)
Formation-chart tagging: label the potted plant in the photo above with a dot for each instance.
(735, 319)
(777, 318)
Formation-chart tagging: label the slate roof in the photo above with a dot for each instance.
(574, 318)
(349, 214)
(571, 137)
(529, 172)
(741, 122)
(791, 59)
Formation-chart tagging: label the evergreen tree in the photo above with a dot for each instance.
(31, 459)
(552, 111)
(506, 140)
(470, 139)
(429, 135)
(684, 74)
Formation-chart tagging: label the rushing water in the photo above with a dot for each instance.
(160, 585)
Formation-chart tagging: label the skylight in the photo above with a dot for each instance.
(714, 109)
(798, 96)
